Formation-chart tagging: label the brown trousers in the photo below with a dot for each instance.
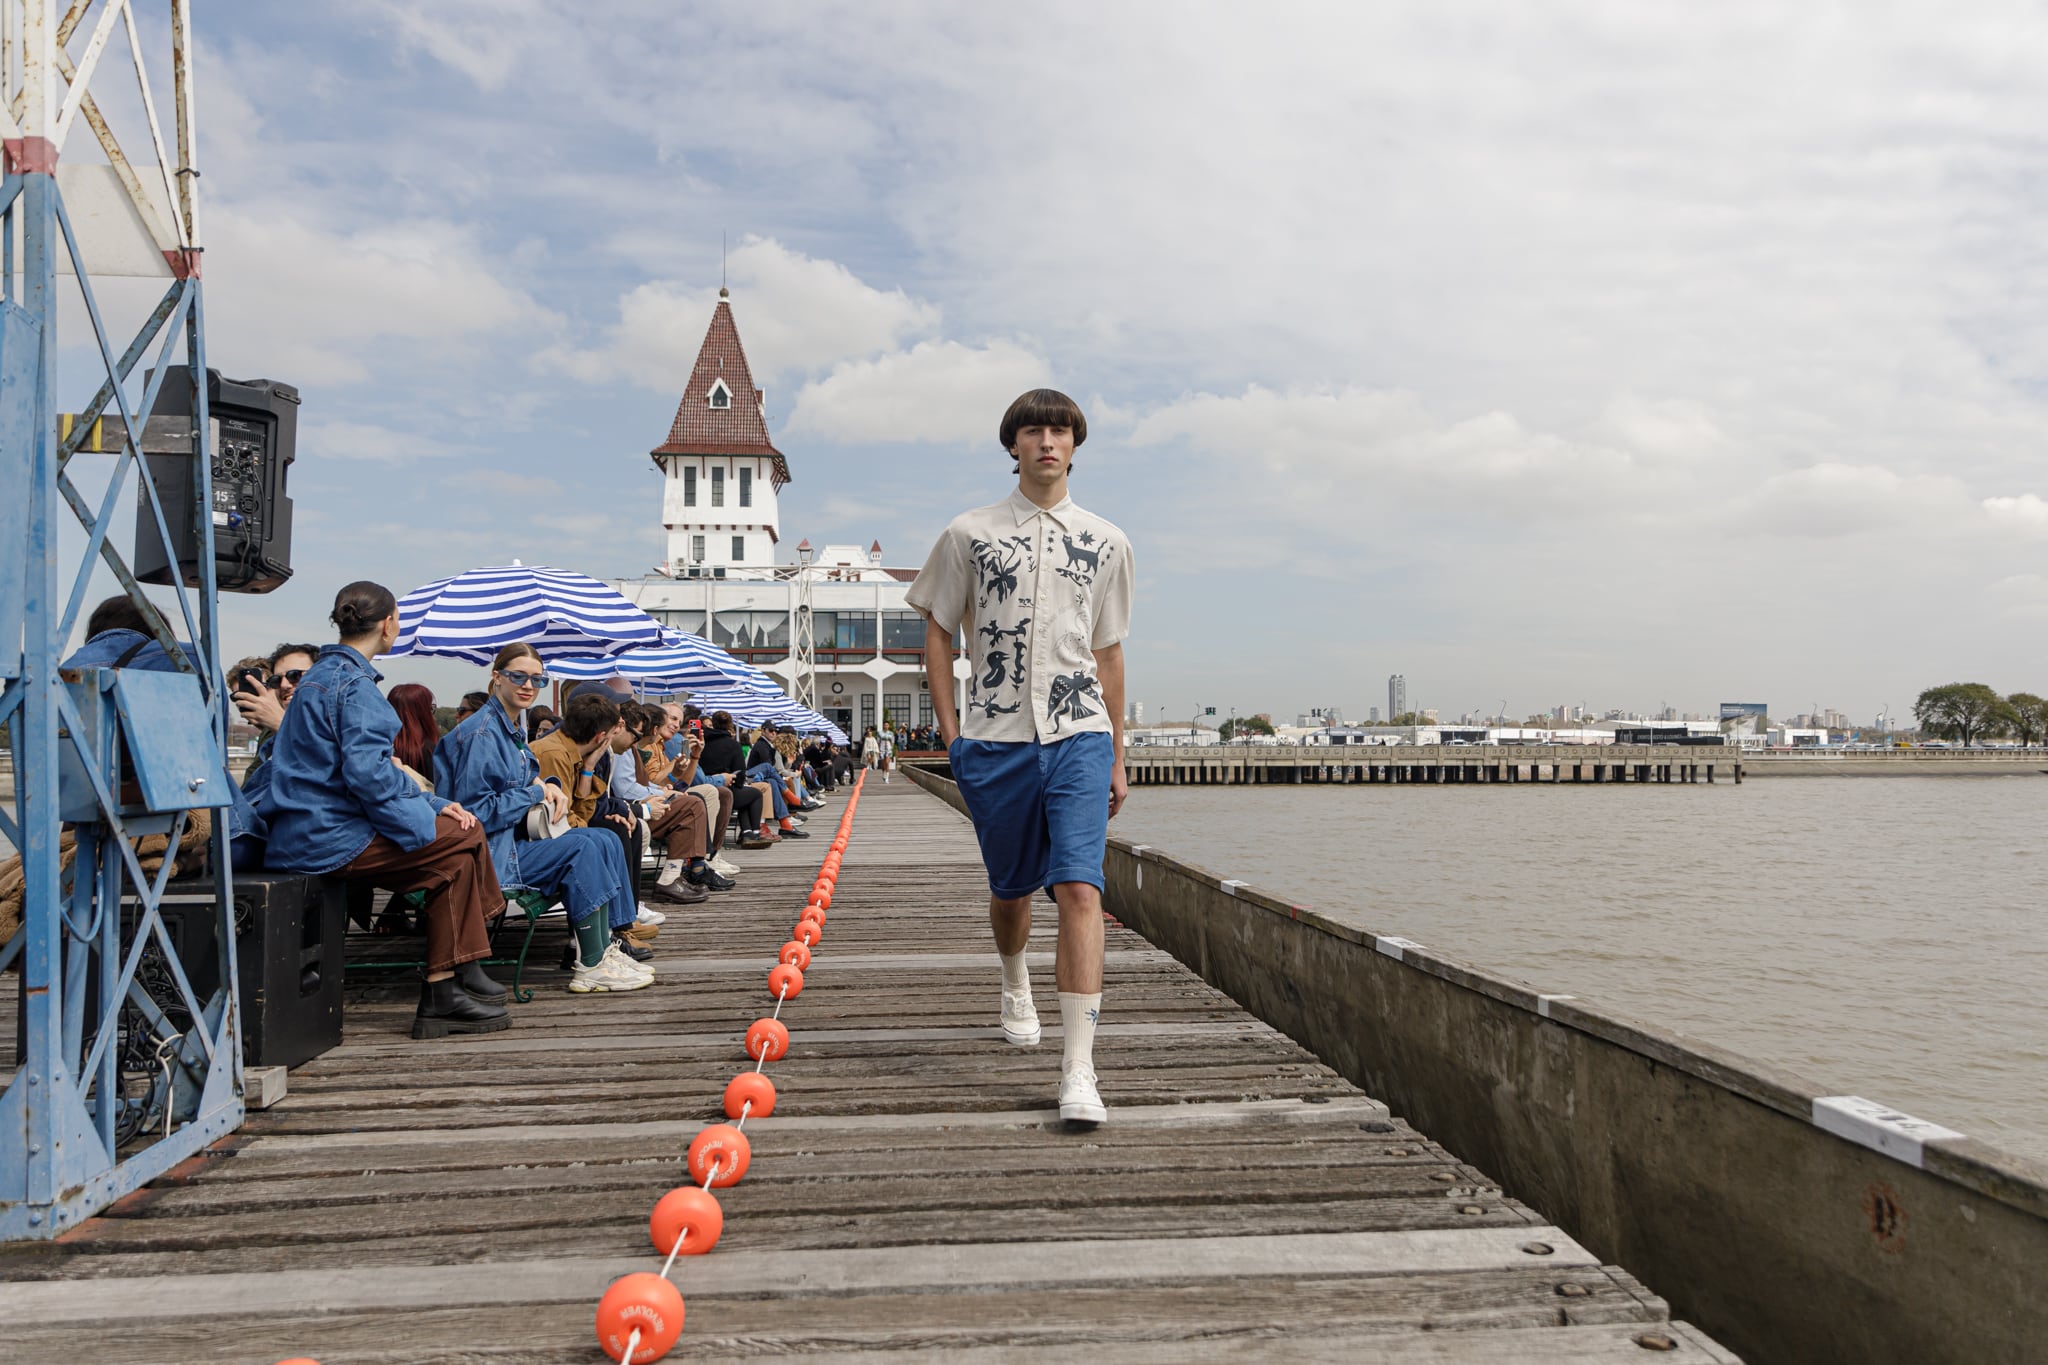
(680, 827)
(461, 885)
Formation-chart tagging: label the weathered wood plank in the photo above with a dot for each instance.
(988, 1265)
(1243, 1310)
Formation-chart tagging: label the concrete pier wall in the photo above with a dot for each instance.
(1428, 764)
(1795, 1224)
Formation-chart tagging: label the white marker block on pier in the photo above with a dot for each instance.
(1394, 947)
(1877, 1126)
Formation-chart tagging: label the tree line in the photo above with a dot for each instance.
(1968, 712)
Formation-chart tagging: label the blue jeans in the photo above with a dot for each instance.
(765, 772)
(585, 869)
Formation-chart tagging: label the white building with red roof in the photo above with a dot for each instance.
(725, 576)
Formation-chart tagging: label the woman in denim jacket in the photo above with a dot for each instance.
(484, 763)
(337, 805)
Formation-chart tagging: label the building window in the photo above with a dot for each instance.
(850, 629)
(721, 396)
(717, 487)
(696, 549)
(739, 548)
(902, 631)
(926, 715)
(896, 706)
(746, 486)
(689, 485)
(867, 718)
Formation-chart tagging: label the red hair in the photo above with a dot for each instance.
(417, 731)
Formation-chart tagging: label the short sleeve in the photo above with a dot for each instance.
(1114, 590)
(942, 586)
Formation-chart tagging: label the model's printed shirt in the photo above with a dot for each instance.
(1036, 591)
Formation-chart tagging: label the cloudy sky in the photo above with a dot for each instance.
(1599, 352)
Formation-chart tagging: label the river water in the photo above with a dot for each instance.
(1881, 937)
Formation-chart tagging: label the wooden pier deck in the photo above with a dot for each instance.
(914, 1193)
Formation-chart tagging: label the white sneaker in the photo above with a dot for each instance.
(724, 866)
(1080, 1102)
(614, 972)
(1020, 1020)
(648, 916)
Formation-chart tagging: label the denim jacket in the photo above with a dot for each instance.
(485, 765)
(332, 786)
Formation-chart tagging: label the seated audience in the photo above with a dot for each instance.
(682, 749)
(338, 806)
(576, 757)
(541, 721)
(726, 758)
(486, 764)
(761, 767)
(678, 821)
(472, 702)
(417, 734)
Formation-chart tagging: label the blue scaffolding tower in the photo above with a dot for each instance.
(124, 1068)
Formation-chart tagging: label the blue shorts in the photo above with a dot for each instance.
(1041, 811)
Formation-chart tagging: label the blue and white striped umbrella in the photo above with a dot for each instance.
(679, 662)
(475, 614)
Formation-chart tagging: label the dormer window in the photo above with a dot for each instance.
(721, 396)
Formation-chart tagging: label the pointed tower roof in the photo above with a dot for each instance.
(720, 413)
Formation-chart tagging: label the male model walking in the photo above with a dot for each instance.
(1043, 590)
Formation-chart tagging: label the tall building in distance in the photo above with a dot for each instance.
(1397, 696)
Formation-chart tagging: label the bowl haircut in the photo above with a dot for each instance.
(1042, 408)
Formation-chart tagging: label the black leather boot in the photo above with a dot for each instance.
(477, 986)
(446, 1008)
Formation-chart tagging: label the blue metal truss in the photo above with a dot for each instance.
(127, 1070)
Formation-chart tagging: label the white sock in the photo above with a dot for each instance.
(1077, 1022)
(1016, 979)
(671, 868)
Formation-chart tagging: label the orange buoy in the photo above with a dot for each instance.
(768, 1039)
(784, 981)
(724, 1146)
(816, 912)
(797, 955)
(686, 1207)
(749, 1087)
(821, 899)
(643, 1301)
(807, 932)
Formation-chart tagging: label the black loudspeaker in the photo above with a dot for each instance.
(255, 439)
(288, 954)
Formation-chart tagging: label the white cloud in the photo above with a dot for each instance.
(336, 440)
(325, 306)
(937, 391)
(1835, 499)
(2027, 513)
(796, 314)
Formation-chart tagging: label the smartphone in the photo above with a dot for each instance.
(250, 685)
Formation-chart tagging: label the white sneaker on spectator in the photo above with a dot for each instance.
(1020, 1019)
(614, 972)
(1080, 1101)
(647, 916)
(724, 866)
